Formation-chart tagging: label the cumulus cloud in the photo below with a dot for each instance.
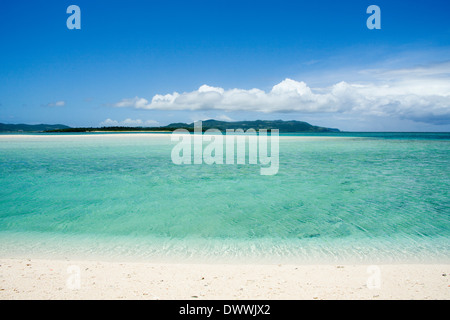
(129, 123)
(419, 94)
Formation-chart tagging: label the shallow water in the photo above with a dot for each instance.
(349, 197)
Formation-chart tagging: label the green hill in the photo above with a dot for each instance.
(31, 127)
(283, 126)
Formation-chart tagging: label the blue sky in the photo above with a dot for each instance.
(233, 60)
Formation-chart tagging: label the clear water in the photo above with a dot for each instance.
(348, 198)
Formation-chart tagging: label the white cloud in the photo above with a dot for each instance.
(129, 123)
(419, 94)
(223, 117)
(59, 103)
(109, 123)
(134, 102)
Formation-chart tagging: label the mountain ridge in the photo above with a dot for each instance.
(282, 125)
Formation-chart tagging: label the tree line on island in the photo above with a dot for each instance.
(290, 126)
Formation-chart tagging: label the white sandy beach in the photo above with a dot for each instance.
(51, 279)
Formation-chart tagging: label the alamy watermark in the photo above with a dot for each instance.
(74, 20)
(229, 149)
(73, 282)
(374, 20)
(374, 280)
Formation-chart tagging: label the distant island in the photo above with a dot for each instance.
(290, 126)
(31, 127)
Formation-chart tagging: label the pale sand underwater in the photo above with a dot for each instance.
(57, 279)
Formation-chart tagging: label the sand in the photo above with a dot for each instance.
(52, 279)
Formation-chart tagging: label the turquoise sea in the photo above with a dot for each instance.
(348, 197)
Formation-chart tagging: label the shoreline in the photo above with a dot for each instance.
(153, 135)
(98, 280)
